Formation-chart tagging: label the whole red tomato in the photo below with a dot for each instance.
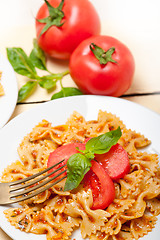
(102, 65)
(73, 21)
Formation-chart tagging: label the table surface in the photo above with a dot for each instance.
(137, 31)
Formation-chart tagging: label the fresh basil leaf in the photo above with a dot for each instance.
(104, 142)
(57, 95)
(21, 62)
(66, 92)
(53, 76)
(78, 165)
(37, 56)
(26, 90)
(47, 83)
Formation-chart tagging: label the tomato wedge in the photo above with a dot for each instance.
(101, 184)
(63, 153)
(107, 167)
(115, 162)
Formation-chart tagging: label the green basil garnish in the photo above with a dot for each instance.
(103, 143)
(80, 163)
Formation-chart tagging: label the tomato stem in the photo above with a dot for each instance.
(103, 56)
(54, 18)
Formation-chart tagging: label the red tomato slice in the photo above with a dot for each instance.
(101, 184)
(115, 162)
(87, 139)
(63, 153)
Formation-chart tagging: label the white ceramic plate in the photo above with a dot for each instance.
(134, 116)
(9, 83)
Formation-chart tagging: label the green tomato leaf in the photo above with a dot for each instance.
(21, 63)
(78, 165)
(37, 56)
(54, 18)
(101, 55)
(26, 90)
(47, 83)
(103, 143)
(66, 92)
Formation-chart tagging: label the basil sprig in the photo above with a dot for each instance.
(27, 65)
(80, 163)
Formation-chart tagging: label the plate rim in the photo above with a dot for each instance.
(120, 99)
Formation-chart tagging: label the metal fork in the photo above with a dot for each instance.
(13, 192)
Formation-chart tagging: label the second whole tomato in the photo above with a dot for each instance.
(102, 65)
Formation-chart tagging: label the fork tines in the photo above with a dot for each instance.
(26, 188)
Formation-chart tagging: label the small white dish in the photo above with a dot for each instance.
(9, 99)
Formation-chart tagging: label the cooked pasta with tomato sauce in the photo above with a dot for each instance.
(1, 87)
(132, 212)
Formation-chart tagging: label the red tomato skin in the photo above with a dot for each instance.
(111, 79)
(115, 162)
(102, 186)
(63, 153)
(80, 22)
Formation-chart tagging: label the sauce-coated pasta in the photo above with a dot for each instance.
(56, 213)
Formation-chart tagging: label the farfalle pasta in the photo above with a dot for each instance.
(57, 213)
(1, 87)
